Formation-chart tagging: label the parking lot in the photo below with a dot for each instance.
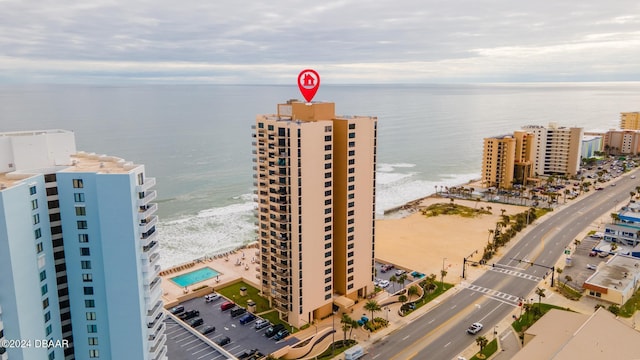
(243, 337)
(385, 275)
(580, 261)
(183, 345)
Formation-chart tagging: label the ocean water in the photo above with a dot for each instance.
(196, 139)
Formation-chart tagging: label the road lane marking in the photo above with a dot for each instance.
(406, 337)
(447, 344)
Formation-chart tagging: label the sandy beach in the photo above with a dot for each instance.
(419, 243)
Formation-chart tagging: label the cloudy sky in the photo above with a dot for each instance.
(346, 41)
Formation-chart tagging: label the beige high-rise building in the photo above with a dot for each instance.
(315, 179)
(630, 120)
(507, 159)
(557, 149)
(626, 142)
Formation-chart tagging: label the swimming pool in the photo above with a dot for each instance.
(196, 276)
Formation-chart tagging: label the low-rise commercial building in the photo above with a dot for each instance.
(616, 280)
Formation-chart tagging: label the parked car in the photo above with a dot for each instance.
(207, 329)
(247, 318)
(386, 267)
(383, 284)
(177, 309)
(363, 320)
(591, 267)
(400, 272)
(223, 341)
(603, 254)
(251, 354)
(211, 297)
(189, 314)
(196, 322)
(227, 305)
(237, 311)
(593, 253)
(474, 328)
(281, 335)
(272, 330)
(261, 323)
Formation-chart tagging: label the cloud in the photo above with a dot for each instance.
(258, 42)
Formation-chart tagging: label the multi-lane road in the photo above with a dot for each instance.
(440, 333)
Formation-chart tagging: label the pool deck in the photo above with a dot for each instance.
(231, 268)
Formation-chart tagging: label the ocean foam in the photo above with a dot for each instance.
(225, 228)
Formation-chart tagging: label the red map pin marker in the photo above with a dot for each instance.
(308, 82)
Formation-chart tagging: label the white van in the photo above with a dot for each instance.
(354, 353)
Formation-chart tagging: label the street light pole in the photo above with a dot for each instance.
(442, 274)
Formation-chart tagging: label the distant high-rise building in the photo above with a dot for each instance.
(622, 142)
(630, 120)
(78, 254)
(557, 149)
(315, 179)
(507, 159)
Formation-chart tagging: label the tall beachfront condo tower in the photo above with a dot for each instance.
(557, 149)
(78, 254)
(507, 159)
(315, 179)
(630, 120)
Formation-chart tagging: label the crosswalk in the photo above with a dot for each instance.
(496, 295)
(517, 274)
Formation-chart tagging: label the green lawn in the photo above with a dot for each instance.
(631, 306)
(528, 318)
(340, 346)
(233, 292)
(488, 350)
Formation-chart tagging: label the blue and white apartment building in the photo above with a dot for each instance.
(78, 253)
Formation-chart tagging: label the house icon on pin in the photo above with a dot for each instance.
(308, 80)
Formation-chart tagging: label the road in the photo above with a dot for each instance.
(440, 333)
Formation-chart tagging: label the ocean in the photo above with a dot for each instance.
(196, 139)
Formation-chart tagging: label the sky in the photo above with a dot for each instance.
(346, 41)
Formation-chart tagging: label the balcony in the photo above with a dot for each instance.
(148, 183)
(154, 321)
(150, 273)
(148, 197)
(148, 223)
(150, 257)
(146, 211)
(154, 313)
(148, 237)
(158, 351)
(154, 294)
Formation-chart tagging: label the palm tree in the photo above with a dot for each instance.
(412, 291)
(482, 342)
(430, 283)
(402, 279)
(443, 273)
(346, 322)
(502, 211)
(559, 271)
(402, 299)
(632, 194)
(615, 218)
(567, 279)
(372, 306)
(540, 293)
(393, 279)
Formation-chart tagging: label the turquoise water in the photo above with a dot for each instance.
(193, 277)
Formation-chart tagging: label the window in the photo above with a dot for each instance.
(350, 229)
(352, 170)
(352, 161)
(32, 190)
(327, 166)
(327, 220)
(82, 224)
(327, 147)
(45, 303)
(92, 329)
(47, 316)
(327, 271)
(327, 279)
(44, 289)
(38, 233)
(352, 152)
(327, 175)
(81, 211)
(85, 264)
(89, 277)
(352, 143)
(351, 179)
(83, 238)
(327, 245)
(34, 204)
(327, 263)
(327, 288)
(350, 254)
(39, 247)
(327, 183)
(352, 126)
(43, 275)
(352, 135)
(93, 341)
(327, 193)
(84, 251)
(350, 246)
(77, 184)
(89, 303)
(351, 204)
(91, 315)
(327, 228)
(54, 217)
(351, 196)
(327, 156)
(351, 187)
(327, 211)
(327, 138)
(327, 129)
(48, 330)
(78, 197)
(327, 254)
(88, 290)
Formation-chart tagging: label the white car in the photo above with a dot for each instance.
(591, 267)
(211, 297)
(383, 284)
(377, 281)
(474, 328)
(400, 272)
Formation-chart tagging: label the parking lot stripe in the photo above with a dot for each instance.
(185, 344)
(208, 354)
(187, 337)
(203, 349)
